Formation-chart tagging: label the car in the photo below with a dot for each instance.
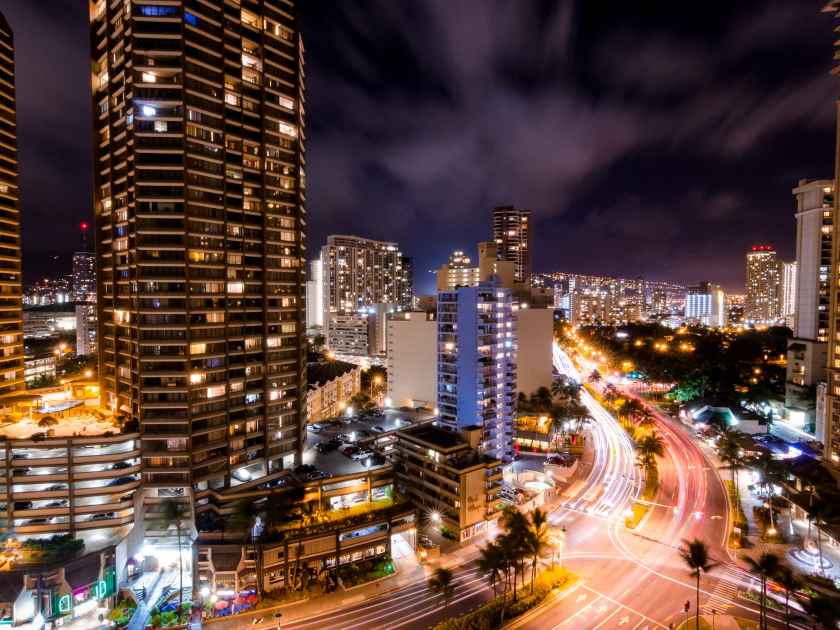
(23, 505)
(348, 449)
(103, 516)
(425, 541)
(38, 521)
(121, 481)
(344, 437)
(315, 428)
(121, 465)
(360, 455)
(304, 469)
(57, 504)
(55, 488)
(378, 429)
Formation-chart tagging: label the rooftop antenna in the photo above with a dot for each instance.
(84, 227)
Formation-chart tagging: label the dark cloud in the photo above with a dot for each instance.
(644, 136)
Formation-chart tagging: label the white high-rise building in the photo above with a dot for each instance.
(315, 296)
(477, 349)
(787, 292)
(412, 360)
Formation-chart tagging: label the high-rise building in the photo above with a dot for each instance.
(200, 236)
(787, 292)
(477, 364)
(84, 277)
(763, 284)
(807, 352)
(814, 214)
(705, 304)
(361, 272)
(513, 233)
(315, 296)
(412, 360)
(11, 288)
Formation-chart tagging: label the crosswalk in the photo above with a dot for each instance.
(724, 593)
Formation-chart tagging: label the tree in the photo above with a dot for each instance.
(695, 554)
(565, 388)
(537, 540)
(765, 567)
(649, 448)
(362, 402)
(47, 421)
(789, 581)
(818, 511)
(514, 541)
(595, 376)
(246, 516)
(174, 512)
(441, 584)
(729, 450)
(490, 563)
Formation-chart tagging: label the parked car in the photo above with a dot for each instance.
(55, 487)
(57, 504)
(315, 427)
(121, 481)
(348, 449)
(425, 541)
(104, 516)
(378, 429)
(38, 521)
(360, 455)
(304, 469)
(121, 465)
(23, 505)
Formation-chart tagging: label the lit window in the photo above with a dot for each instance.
(148, 110)
(215, 391)
(198, 348)
(196, 378)
(160, 126)
(148, 77)
(235, 287)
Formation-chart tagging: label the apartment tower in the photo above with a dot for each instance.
(763, 285)
(513, 235)
(200, 236)
(11, 291)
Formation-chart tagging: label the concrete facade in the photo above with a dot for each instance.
(534, 336)
(412, 360)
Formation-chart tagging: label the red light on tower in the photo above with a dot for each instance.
(84, 226)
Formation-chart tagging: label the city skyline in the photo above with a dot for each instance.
(732, 194)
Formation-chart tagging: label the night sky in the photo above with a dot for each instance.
(660, 141)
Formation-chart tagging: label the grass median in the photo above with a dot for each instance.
(648, 494)
(489, 616)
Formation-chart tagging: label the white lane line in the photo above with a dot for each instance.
(611, 615)
(580, 612)
(618, 603)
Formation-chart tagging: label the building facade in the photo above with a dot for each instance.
(11, 287)
(315, 297)
(705, 304)
(513, 234)
(360, 272)
(534, 357)
(808, 349)
(787, 292)
(477, 364)
(412, 360)
(331, 386)
(459, 271)
(763, 286)
(200, 213)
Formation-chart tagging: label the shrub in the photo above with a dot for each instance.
(448, 533)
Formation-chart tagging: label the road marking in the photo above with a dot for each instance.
(624, 620)
(580, 612)
(610, 616)
(580, 598)
(632, 610)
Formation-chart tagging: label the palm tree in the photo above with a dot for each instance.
(441, 584)
(729, 451)
(490, 563)
(818, 510)
(595, 376)
(537, 540)
(246, 517)
(174, 512)
(695, 554)
(765, 567)
(515, 540)
(649, 448)
(789, 581)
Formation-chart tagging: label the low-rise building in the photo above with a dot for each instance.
(412, 360)
(331, 385)
(447, 476)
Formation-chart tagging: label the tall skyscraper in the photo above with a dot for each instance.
(763, 285)
(11, 289)
(200, 236)
(512, 232)
(477, 364)
(831, 435)
(814, 214)
(84, 277)
(360, 272)
(705, 304)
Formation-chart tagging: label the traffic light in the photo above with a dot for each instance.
(687, 606)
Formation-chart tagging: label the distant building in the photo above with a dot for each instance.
(348, 334)
(534, 329)
(84, 277)
(513, 234)
(448, 475)
(36, 367)
(331, 385)
(85, 329)
(43, 322)
(315, 296)
(459, 271)
(705, 304)
(477, 364)
(412, 360)
(735, 308)
(763, 286)
(787, 292)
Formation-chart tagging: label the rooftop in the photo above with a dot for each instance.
(436, 436)
(325, 371)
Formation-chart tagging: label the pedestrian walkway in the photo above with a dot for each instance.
(155, 584)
